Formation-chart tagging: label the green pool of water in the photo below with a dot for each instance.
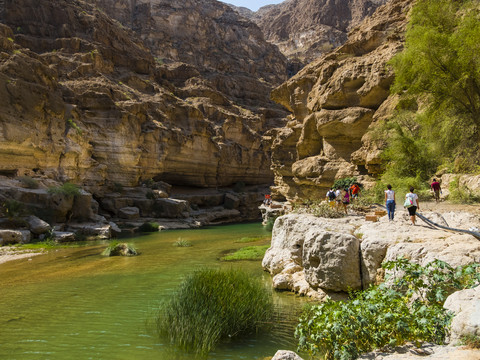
(75, 304)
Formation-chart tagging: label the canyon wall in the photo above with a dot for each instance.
(334, 101)
(105, 92)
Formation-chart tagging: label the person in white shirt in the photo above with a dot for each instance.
(412, 209)
(390, 202)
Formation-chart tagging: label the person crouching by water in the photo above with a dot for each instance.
(346, 200)
(390, 202)
(414, 205)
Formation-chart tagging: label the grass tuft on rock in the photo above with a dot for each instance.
(214, 305)
(182, 243)
(120, 249)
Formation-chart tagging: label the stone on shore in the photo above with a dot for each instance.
(286, 355)
(37, 225)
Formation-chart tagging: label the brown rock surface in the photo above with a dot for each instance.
(334, 100)
(99, 101)
(307, 29)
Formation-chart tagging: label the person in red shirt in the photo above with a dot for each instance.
(354, 191)
(435, 187)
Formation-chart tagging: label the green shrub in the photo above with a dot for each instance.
(13, 208)
(117, 187)
(29, 182)
(150, 195)
(460, 194)
(344, 183)
(182, 243)
(410, 309)
(247, 253)
(149, 227)
(120, 249)
(211, 306)
(67, 189)
(320, 209)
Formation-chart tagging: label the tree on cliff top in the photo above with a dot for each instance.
(439, 70)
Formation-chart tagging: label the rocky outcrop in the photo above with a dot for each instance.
(306, 29)
(313, 255)
(334, 100)
(174, 91)
(465, 305)
(286, 355)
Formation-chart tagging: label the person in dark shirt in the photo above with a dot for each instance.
(435, 187)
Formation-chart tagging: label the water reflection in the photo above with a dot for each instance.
(74, 303)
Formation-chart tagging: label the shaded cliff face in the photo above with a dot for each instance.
(307, 29)
(90, 99)
(334, 101)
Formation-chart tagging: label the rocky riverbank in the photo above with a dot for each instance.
(321, 257)
(36, 209)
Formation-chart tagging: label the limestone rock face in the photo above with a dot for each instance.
(314, 256)
(307, 29)
(175, 91)
(334, 100)
(330, 260)
(466, 306)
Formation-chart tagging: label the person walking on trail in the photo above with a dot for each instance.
(338, 197)
(390, 202)
(331, 197)
(346, 200)
(354, 191)
(412, 204)
(435, 187)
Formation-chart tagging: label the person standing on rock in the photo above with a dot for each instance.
(346, 200)
(390, 202)
(412, 204)
(435, 186)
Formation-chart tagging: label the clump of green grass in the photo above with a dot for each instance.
(211, 306)
(251, 239)
(182, 243)
(29, 182)
(149, 227)
(120, 249)
(247, 253)
(67, 189)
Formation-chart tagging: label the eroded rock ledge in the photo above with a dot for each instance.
(317, 256)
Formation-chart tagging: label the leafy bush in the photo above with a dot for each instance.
(270, 223)
(117, 187)
(149, 227)
(211, 306)
(29, 182)
(409, 309)
(460, 194)
(247, 253)
(13, 208)
(67, 189)
(344, 183)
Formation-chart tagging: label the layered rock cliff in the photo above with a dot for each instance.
(333, 101)
(307, 29)
(174, 91)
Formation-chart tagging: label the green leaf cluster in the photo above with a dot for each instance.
(438, 78)
(407, 307)
(67, 189)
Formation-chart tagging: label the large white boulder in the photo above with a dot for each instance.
(466, 306)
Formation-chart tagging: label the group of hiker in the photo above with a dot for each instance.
(335, 198)
(412, 203)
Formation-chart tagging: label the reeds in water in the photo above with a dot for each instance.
(213, 305)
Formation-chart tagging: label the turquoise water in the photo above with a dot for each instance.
(75, 304)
